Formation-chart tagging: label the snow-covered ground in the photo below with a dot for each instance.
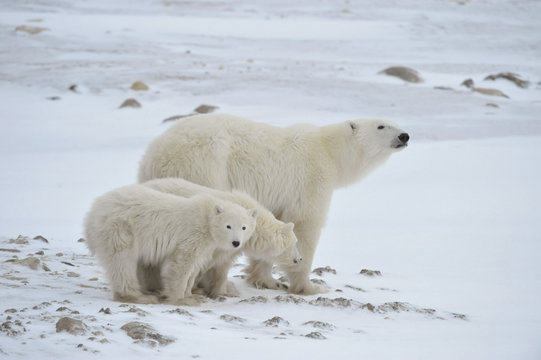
(452, 222)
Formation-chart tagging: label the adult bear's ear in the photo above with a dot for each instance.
(288, 228)
(252, 213)
(352, 126)
(218, 210)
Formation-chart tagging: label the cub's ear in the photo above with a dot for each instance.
(288, 228)
(218, 210)
(352, 126)
(253, 213)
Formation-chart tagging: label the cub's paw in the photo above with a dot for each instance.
(231, 290)
(189, 301)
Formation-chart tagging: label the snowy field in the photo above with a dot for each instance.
(452, 222)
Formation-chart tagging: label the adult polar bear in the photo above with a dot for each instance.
(292, 171)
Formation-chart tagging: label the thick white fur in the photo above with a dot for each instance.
(292, 171)
(137, 225)
(272, 241)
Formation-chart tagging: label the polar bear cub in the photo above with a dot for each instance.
(273, 241)
(135, 225)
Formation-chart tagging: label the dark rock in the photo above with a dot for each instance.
(447, 88)
(404, 73)
(355, 288)
(255, 300)
(205, 109)
(32, 30)
(320, 325)
(145, 334)
(315, 335)
(131, 102)
(134, 309)
(12, 328)
(20, 240)
(289, 299)
(41, 306)
(511, 77)
(176, 117)
(106, 311)
(10, 250)
(73, 88)
(41, 238)
(490, 92)
(65, 262)
(492, 105)
(275, 322)
(139, 86)
(467, 83)
(327, 269)
(370, 272)
(459, 316)
(318, 281)
(231, 319)
(180, 312)
(337, 302)
(72, 326)
(31, 262)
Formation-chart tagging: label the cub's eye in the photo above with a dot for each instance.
(381, 127)
(229, 227)
(244, 228)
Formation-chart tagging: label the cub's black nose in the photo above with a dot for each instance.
(404, 137)
(235, 243)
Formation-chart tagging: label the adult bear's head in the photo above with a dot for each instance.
(379, 136)
(366, 144)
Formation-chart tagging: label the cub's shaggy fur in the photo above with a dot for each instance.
(272, 241)
(138, 225)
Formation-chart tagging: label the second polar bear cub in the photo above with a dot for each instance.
(135, 224)
(273, 241)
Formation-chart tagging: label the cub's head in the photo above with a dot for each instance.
(231, 225)
(378, 136)
(289, 255)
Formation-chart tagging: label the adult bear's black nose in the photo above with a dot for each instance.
(404, 137)
(235, 243)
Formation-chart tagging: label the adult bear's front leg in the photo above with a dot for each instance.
(299, 276)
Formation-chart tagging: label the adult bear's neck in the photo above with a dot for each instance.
(348, 157)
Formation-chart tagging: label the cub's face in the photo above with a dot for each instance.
(379, 135)
(232, 225)
(290, 254)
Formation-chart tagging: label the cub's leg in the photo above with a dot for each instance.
(214, 280)
(176, 271)
(260, 275)
(122, 271)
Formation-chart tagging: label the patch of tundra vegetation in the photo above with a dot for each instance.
(385, 308)
(276, 321)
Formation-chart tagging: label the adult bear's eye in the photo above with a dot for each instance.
(244, 228)
(381, 127)
(229, 227)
